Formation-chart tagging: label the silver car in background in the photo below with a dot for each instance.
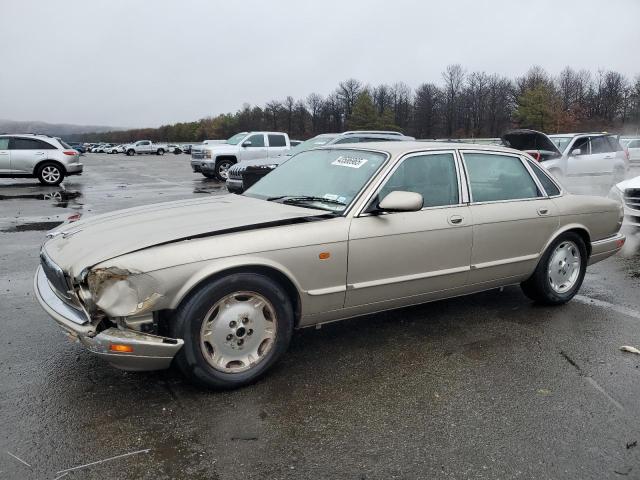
(218, 285)
(49, 159)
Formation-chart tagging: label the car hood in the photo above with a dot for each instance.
(631, 183)
(88, 242)
(525, 139)
(218, 148)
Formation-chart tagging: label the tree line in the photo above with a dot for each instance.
(463, 105)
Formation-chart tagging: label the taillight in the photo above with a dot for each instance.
(626, 154)
(70, 152)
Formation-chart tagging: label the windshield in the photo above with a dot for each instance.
(322, 179)
(312, 143)
(236, 138)
(561, 142)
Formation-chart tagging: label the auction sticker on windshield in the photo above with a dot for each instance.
(351, 162)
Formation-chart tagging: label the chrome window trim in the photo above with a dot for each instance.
(385, 177)
(502, 154)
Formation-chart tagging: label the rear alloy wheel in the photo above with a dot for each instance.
(131, 152)
(50, 174)
(222, 169)
(560, 273)
(160, 151)
(234, 329)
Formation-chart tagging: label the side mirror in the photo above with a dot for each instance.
(399, 201)
(246, 143)
(576, 152)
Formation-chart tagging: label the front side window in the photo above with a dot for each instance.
(495, 178)
(4, 143)
(323, 179)
(256, 140)
(277, 141)
(432, 176)
(581, 144)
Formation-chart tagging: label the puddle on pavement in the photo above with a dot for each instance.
(60, 198)
(30, 227)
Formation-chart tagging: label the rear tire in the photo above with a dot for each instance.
(50, 174)
(131, 152)
(234, 330)
(160, 151)
(557, 277)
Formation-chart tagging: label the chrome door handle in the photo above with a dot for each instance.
(455, 219)
(608, 156)
(543, 211)
(39, 153)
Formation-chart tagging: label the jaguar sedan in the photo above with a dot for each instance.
(217, 287)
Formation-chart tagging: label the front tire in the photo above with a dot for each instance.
(131, 152)
(560, 272)
(222, 169)
(234, 329)
(50, 174)
(160, 151)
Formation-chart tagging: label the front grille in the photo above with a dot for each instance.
(632, 198)
(55, 275)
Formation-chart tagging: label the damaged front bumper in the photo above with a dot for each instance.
(123, 348)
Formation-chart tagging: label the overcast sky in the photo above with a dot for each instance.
(145, 63)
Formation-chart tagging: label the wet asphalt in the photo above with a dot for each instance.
(487, 386)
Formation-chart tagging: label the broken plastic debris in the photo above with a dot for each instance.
(627, 348)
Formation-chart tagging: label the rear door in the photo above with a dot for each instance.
(277, 144)
(5, 155)
(27, 152)
(512, 218)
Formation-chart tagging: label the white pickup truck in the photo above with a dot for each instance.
(146, 146)
(214, 160)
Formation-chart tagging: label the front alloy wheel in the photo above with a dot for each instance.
(238, 332)
(222, 169)
(234, 329)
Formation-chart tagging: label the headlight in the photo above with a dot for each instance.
(207, 154)
(121, 293)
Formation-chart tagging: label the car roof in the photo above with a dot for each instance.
(401, 148)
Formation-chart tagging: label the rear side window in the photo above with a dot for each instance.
(614, 144)
(548, 185)
(600, 145)
(433, 176)
(277, 141)
(29, 144)
(498, 177)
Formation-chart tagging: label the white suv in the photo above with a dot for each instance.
(576, 159)
(46, 158)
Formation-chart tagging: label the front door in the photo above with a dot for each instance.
(512, 218)
(401, 257)
(257, 149)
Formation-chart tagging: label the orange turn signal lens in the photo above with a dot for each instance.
(116, 347)
(324, 255)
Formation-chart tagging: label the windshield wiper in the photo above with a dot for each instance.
(293, 199)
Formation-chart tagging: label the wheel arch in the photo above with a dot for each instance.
(575, 228)
(272, 272)
(40, 164)
(233, 158)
